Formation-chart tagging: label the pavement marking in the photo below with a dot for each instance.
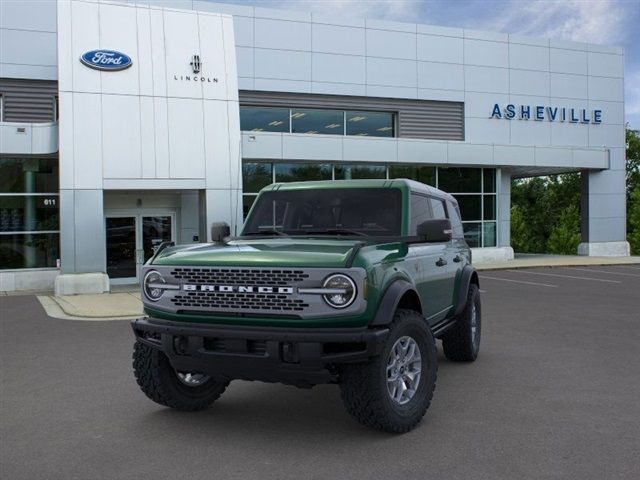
(482, 291)
(520, 281)
(603, 271)
(565, 276)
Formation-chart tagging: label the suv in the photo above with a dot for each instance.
(347, 282)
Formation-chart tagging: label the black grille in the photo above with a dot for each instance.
(239, 301)
(253, 347)
(228, 276)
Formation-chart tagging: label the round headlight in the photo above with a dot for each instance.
(150, 285)
(344, 291)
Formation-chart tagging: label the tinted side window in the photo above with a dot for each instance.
(437, 206)
(420, 211)
(456, 223)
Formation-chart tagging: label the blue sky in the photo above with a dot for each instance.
(608, 22)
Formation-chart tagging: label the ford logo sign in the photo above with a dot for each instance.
(108, 60)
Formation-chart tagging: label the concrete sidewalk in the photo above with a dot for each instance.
(124, 301)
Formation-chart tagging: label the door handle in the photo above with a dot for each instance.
(457, 259)
(441, 262)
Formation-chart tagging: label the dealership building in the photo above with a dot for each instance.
(123, 125)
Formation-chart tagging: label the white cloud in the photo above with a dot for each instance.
(578, 20)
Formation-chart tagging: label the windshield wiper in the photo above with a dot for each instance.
(267, 231)
(336, 231)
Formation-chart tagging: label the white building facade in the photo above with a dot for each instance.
(127, 124)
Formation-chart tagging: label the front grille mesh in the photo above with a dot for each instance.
(228, 276)
(239, 301)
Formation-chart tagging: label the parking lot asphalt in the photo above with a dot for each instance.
(555, 393)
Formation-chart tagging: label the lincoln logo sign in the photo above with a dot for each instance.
(237, 289)
(108, 60)
(543, 112)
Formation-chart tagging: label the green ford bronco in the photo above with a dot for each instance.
(347, 282)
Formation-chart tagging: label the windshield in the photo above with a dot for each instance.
(340, 211)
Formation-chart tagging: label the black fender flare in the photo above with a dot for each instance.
(469, 276)
(390, 301)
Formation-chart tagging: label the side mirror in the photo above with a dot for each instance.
(219, 231)
(435, 230)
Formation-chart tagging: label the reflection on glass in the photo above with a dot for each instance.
(489, 207)
(473, 234)
(302, 172)
(29, 250)
(489, 234)
(247, 202)
(459, 180)
(372, 211)
(470, 207)
(353, 172)
(264, 119)
(256, 176)
(155, 230)
(372, 124)
(28, 213)
(329, 122)
(420, 174)
(28, 175)
(489, 180)
(121, 247)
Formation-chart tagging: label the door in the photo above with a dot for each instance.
(131, 240)
(121, 248)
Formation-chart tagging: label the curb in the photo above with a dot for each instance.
(53, 309)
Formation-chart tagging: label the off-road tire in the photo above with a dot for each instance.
(364, 385)
(459, 343)
(159, 381)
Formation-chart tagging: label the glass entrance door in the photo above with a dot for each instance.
(131, 240)
(121, 247)
(155, 230)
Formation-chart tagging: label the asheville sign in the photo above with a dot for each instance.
(552, 114)
(108, 60)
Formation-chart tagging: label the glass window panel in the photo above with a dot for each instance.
(470, 207)
(454, 215)
(438, 208)
(489, 175)
(372, 124)
(372, 211)
(420, 211)
(414, 172)
(264, 119)
(459, 180)
(247, 202)
(30, 250)
(348, 172)
(489, 207)
(28, 175)
(317, 121)
(473, 234)
(28, 213)
(489, 234)
(256, 176)
(301, 172)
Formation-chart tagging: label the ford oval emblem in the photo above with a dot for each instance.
(108, 60)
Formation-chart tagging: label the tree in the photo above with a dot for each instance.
(633, 221)
(565, 237)
(633, 161)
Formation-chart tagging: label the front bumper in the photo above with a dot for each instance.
(298, 356)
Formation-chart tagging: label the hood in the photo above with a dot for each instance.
(271, 252)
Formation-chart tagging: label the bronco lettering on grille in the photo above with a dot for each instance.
(237, 289)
